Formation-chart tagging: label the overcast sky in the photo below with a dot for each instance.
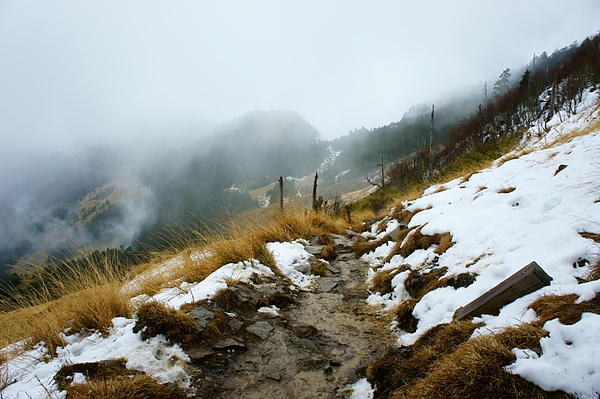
(74, 72)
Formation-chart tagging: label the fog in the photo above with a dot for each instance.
(92, 90)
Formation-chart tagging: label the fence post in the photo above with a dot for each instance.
(314, 192)
(281, 193)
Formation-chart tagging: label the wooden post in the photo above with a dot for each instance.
(314, 192)
(431, 141)
(281, 193)
(527, 280)
(382, 175)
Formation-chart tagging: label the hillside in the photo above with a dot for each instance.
(356, 300)
(456, 241)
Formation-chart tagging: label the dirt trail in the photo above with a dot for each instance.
(313, 349)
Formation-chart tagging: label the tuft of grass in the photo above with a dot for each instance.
(216, 327)
(319, 269)
(138, 386)
(474, 370)
(328, 252)
(564, 308)
(361, 248)
(85, 298)
(594, 271)
(445, 362)
(399, 367)
(404, 315)
(154, 318)
(382, 280)
(506, 190)
(416, 240)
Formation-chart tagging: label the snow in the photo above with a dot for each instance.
(156, 356)
(33, 373)
(569, 361)
(540, 218)
(362, 389)
(288, 256)
(501, 219)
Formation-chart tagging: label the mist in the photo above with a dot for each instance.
(95, 91)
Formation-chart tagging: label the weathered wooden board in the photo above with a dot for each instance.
(527, 280)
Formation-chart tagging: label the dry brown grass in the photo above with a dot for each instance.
(564, 308)
(382, 280)
(506, 190)
(154, 318)
(361, 248)
(138, 386)
(446, 363)
(90, 298)
(246, 238)
(417, 240)
(402, 366)
(319, 269)
(594, 271)
(591, 236)
(474, 370)
(404, 315)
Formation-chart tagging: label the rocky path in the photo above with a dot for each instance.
(313, 348)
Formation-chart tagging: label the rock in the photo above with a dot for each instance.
(333, 269)
(201, 316)
(245, 294)
(315, 241)
(198, 354)
(314, 249)
(261, 329)
(350, 233)
(303, 267)
(326, 284)
(306, 343)
(235, 324)
(273, 375)
(394, 233)
(229, 343)
(361, 238)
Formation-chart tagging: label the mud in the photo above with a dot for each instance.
(318, 344)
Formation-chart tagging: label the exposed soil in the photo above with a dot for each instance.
(320, 342)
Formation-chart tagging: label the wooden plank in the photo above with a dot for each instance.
(527, 280)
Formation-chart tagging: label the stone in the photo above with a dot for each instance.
(315, 241)
(350, 233)
(235, 324)
(361, 238)
(333, 269)
(394, 233)
(201, 316)
(198, 354)
(314, 249)
(303, 267)
(229, 343)
(326, 284)
(261, 329)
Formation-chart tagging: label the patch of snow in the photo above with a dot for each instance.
(569, 360)
(362, 389)
(156, 357)
(287, 255)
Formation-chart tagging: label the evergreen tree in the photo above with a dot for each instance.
(502, 85)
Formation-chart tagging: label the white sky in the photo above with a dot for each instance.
(74, 72)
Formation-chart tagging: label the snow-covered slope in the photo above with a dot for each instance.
(533, 205)
(530, 206)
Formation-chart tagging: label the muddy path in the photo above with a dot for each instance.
(317, 344)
